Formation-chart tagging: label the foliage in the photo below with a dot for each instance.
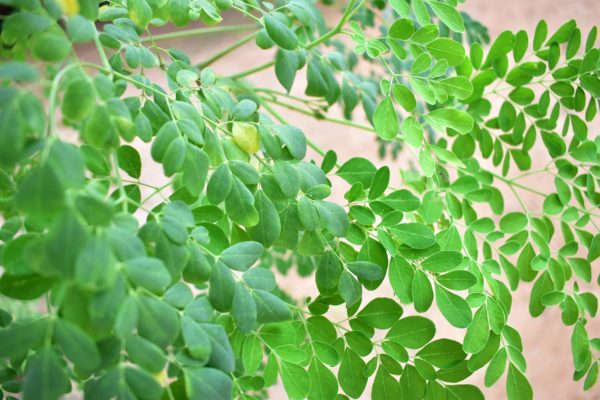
(169, 291)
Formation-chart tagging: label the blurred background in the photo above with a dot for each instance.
(546, 341)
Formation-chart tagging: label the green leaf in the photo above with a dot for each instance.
(40, 193)
(448, 15)
(221, 356)
(554, 143)
(270, 308)
(458, 86)
(244, 309)
(454, 308)
(260, 278)
(165, 135)
(447, 49)
(222, 287)
(296, 380)
(15, 255)
(385, 120)
(149, 273)
(18, 71)
(45, 378)
(349, 288)
(141, 383)
(366, 270)
(421, 12)
(404, 96)
(496, 368)
(443, 118)
(241, 256)
(50, 46)
(591, 378)
(77, 345)
(324, 384)
(139, 12)
(591, 84)
(146, 354)
(174, 157)
(293, 139)
(380, 313)
(422, 291)
(385, 386)
(129, 161)
(350, 374)
(579, 346)
(357, 170)
(513, 222)
(252, 354)
(442, 353)
(412, 332)
(457, 280)
(412, 131)
(541, 31)
(219, 185)
(197, 341)
(517, 386)
(328, 273)
(446, 155)
(286, 66)
(158, 321)
(179, 12)
(268, 228)
(25, 287)
(195, 170)
(459, 392)
(402, 29)
(287, 178)
(415, 235)
(401, 276)
(308, 214)
(80, 29)
(20, 337)
(240, 205)
(207, 383)
(401, 7)
(78, 100)
(402, 200)
(96, 265)
(478, 332)
(280, 33)
(442, 261)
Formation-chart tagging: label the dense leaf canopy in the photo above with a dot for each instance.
(169, 290)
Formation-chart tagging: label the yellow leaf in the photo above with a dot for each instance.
(246, 137)
(70, 7)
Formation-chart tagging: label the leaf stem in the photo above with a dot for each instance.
(276, 93)
(54, 94)
(252, 71)
(122, 194)
(319, 116)
(227, 50)
(156, 191)
(198, 31)
(101, 52)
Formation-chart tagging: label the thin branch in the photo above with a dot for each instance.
(227, 50)
(199, 31)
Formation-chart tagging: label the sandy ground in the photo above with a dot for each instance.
(546, 340)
